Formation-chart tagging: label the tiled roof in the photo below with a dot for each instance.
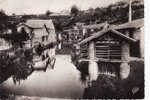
(36, 23)
(100, 33)
(134, 24)
(94, 26)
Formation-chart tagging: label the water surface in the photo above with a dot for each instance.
(62, 82)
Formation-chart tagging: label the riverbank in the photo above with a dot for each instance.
(61, 82)
(13, 97)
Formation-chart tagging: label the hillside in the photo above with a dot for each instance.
(114, 14)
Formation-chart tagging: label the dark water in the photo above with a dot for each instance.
(62, 82)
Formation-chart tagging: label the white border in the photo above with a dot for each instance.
(147, 49)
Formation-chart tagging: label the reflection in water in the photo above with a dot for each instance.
(62, 82)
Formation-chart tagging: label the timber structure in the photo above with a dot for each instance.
(105, 52)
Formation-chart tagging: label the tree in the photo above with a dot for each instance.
(3, 20)
(74, 10)
(13, 14)
(48, 12)
(16, 66)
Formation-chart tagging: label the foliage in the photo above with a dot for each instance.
(114, 14)
(48, 12)
(74, 10)
(109, 87)
(16, 62)
(17, 66)
(103, 88)
(3, 20)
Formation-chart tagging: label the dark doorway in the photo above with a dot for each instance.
(135, 49)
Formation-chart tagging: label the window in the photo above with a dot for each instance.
(43, 38)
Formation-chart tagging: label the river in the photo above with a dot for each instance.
(61, 82)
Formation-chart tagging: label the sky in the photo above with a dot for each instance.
(41, 6)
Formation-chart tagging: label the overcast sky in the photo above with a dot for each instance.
(41, 6)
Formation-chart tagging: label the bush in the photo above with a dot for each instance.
(16, 66)
(109, 87)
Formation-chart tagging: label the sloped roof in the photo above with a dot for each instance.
(94, 26)
(134, 24)
(45, 26)
(100, 33)
(37, 23)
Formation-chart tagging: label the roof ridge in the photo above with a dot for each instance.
(100, 33)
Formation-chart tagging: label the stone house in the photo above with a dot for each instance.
(40, 31)
(42, 35)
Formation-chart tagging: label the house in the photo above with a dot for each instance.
(41, 31)
(106, 52)
(71, 35)
(135, 30)
(5, 44)
(42, 38)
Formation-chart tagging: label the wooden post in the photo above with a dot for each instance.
(93, 67)
(130, 10)
(124, 67)
(142, 41)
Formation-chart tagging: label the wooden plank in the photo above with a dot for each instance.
(103, 60)
(114, 50)
(102, 42)
(108, 42)
(115, 47)
(115, 55)
(101, 51)
(102, 55)
(101, 46)
(108, 56)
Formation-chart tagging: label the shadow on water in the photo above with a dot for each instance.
(65, 81)
(62, 82)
